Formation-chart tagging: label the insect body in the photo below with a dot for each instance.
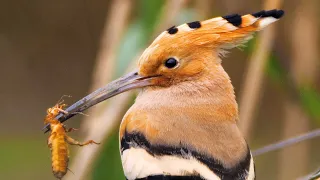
(58, 140)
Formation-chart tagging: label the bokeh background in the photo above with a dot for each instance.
(54, 48)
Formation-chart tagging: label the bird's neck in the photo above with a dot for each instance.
(200, 114)
(210, 95)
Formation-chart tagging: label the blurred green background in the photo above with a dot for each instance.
(51, 48)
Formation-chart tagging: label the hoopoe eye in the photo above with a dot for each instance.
(171, 63)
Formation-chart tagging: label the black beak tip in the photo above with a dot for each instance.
(46, 128)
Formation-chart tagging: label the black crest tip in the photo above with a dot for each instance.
(172, 30)
(271, 13)
(279, 14)
(194, 24)
(234, 19)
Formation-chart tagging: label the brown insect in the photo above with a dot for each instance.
(58, 141)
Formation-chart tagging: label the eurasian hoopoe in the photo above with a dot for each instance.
(183, 123)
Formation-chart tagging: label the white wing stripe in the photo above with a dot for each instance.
(137, 163)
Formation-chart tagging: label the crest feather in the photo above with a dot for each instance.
(225, 31)
(235, 30)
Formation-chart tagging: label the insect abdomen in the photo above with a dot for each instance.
(60, 157)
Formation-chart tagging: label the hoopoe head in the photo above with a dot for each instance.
(190, 50)
(53, 112)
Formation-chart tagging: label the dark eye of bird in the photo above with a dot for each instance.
(171, 63)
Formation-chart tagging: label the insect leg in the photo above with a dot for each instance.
(71, 129)
(80, 113)
(63, 111)
(61, 100)
(70, 170)
(51, 138)
(74, 142)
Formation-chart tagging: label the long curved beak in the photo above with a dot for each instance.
(123, 84)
